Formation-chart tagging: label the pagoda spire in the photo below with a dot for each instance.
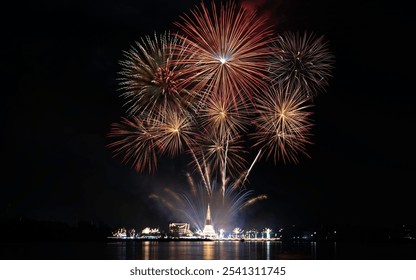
(208, 231)
(208, 218)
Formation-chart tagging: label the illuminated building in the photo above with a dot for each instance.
(179, 229)
(120, 233)
(150, 233)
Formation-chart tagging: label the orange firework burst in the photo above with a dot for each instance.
(230, 50)
(304, 60)
(136, 142)
(223, 115)
(283, 124)
(151, 77)
(173, 130)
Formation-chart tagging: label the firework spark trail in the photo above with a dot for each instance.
(252, 201)
(186, 206)
(191, 183)
(232, 47)
(236, 201)
(212, 149)
(237, 183)
(224, 171)
(200, 171)
(208, 176)
(163, 200)
(251, 167)
(173, 194)
(192, 210)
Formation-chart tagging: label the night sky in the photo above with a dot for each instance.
(60, 96)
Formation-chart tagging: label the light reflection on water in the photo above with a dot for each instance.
(215, 250)
(198, 250)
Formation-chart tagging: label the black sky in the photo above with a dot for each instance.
(60, 64)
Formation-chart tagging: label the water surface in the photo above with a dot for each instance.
(207, 250)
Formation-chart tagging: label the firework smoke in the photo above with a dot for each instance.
(190, 205)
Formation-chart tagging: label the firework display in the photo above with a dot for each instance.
(223, 85)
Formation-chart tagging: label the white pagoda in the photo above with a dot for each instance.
(209, 231)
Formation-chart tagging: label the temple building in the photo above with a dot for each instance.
(179, 229)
